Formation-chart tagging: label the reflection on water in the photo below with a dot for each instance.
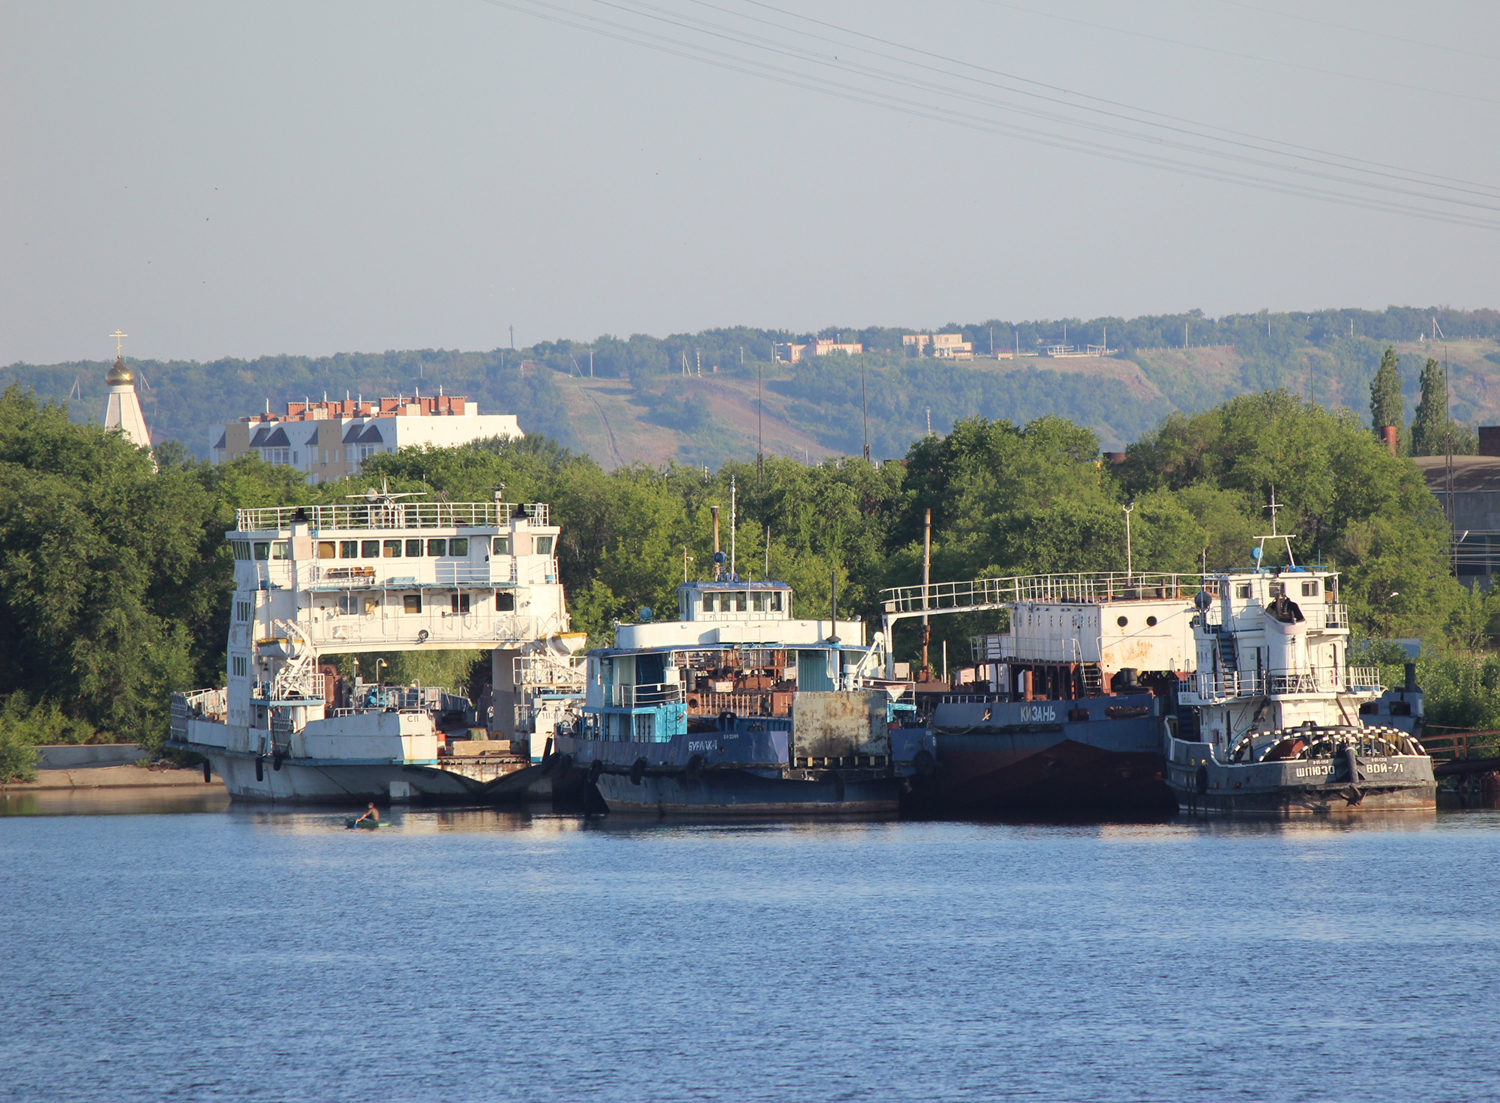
(114, 802)
(256, 952)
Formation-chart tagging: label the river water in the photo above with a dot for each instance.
(198, 951)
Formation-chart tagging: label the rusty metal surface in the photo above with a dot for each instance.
(835, 724)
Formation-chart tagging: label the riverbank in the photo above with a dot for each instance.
(67, 766)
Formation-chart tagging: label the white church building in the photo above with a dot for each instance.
(122, 409)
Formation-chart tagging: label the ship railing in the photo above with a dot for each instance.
(1318, 617)
(545, 670)
(484, 627)
(381, 514)
(1251, 683)
(535, 572)
(204, 704)
(1325, 616)
(301, 687)
(459, 572)
(647, 696)
(1087, 588)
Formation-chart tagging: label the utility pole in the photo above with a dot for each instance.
(760, 452)
(926, 582)
(1129, 562)
(865, 406)
(1448, 505)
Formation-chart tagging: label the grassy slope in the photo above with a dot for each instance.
(614, 422)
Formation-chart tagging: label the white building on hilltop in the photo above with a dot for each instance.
(329, 440)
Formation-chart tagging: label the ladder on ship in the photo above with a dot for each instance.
(1091, 682)
(1227, 662)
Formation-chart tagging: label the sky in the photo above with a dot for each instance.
(221, 179)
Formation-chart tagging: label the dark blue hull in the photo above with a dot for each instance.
(1098, 756)
(737, 773)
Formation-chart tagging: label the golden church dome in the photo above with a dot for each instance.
(119, 373)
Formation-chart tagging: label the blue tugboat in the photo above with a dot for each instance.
(736, 707)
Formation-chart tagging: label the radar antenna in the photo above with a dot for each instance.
(1285, 537)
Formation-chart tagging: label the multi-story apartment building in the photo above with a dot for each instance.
(329, 440)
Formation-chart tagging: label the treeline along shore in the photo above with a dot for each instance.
(115, 576)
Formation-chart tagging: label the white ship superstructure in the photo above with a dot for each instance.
(379, 574)
(1271, 718)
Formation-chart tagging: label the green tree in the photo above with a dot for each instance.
(1429, 425)
(1387, 407)
(1433, 429)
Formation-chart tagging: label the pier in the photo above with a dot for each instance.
(1471, 757)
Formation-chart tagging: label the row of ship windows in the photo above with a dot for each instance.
(1276, 589)
(733, 601)
(351, 605)
(390, 549)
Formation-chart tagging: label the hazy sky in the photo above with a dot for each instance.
(239, 179)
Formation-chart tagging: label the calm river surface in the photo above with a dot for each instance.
(465, 955)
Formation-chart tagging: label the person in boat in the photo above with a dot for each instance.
(372, 814)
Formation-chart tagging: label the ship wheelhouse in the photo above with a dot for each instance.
(736, 655)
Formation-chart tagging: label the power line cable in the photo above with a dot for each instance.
(1363, 30)
(696, 52)
(1246, 57)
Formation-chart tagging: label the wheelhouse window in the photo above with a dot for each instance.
(281, 549)
(411, 603)
(437, 546)
(262, 550)
(241, 549)
(500, 545)
(392, 549)
(739, 601)
(544, 545)
(1309, 589)
(1242, 590)
(459, 545)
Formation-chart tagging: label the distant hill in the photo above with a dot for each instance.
(647, 402)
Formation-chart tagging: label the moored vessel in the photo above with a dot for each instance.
(739, 708)
(1270, 722)
(379, 574)
(1070, 717)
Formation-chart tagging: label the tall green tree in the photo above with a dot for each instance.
(1386, 404)
(1433, 428)
(1428, 427)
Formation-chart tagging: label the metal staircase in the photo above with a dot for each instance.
(1227, 662)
